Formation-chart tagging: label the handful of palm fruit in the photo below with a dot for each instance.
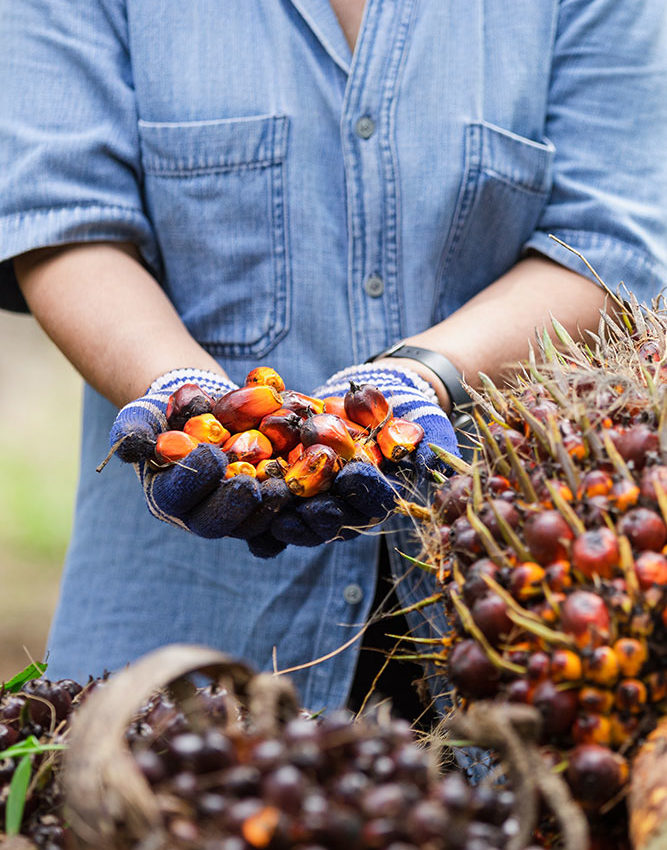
(549, 548)
(268, 431)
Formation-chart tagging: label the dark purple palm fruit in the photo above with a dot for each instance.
(187, 401)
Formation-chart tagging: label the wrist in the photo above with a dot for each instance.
(426, 374)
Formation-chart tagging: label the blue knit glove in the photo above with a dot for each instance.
(362, 495)
(193, 494)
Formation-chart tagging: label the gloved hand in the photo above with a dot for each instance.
(192, 495)
(362, 495)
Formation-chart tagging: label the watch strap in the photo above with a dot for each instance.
(437, 363)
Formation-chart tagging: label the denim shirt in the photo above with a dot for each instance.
(304, 206)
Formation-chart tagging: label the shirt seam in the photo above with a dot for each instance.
(37, 211)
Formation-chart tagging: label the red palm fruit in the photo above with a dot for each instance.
(313, 472)
(520, 690)
(635, 443)
(644, 528)
(450, 501)
(282, 428)
(632, 654)
(631, 696)
(558, 707)
(585, 617)
(368, 451)
(657, 685)
(398, 438)
(302, 404)
(336, 405)
(566, 665)
(547, 536)
(596, 552)
(650, 477)
(464, 537)
(490, 615)
(187, 401)
(538, 666)
(265, 375)
(574, 445)
(327, 429)
(366, 405)
(624, 494)
(494, 509)
(526, 580)
(651, 570)
(474, 585)
(471, 672)
(595, 774)
(271, 468)
(206, 429)
(241, 409)
(624, 728)
(596, 482)
(250, 446)
(174, 445)
(558, 575)
(240, 467)
(592, 729)
(595, 700)
(602, 666)
(295, 454)
(498, 484)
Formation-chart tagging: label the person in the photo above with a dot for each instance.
(304, 184)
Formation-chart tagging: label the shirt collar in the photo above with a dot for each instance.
(321, 18)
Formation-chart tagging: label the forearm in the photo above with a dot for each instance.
(108, 316)
(493, 330)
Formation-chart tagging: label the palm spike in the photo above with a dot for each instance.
(490, 443)
(475, 632)
(477, 497)
(423, 565)
(524, 481)
(563, 336)
(492, 390)
(493, 550)
(509, 535)
(564, 509)
(627, 564)
(614, 456)
(535, 425)
(661, 496)
(456, 463)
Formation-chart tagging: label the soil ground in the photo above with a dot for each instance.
(39, 446)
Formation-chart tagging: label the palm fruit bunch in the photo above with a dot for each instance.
(267, 431)
(550, 546)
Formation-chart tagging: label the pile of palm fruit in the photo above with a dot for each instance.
(550, 551)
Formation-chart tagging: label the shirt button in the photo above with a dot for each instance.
(374, 286)
(365, 127)
(353, 594)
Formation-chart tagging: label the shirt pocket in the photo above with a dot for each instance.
(215, 191)
(506, 181)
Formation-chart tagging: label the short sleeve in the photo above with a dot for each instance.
(607, 118)
(69, 151)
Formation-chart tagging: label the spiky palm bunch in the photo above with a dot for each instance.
(550, 545)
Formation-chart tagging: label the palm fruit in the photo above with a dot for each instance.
(172, 446)
(549, 546)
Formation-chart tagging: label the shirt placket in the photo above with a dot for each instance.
(371, 173)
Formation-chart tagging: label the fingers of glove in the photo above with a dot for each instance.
(275, 496)
(265, 546)
(135, 429)
(363, 487)
(180, 488)
(330, 517)
(288, 527)
(233, 501)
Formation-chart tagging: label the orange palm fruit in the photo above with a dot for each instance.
(250, 446)
(302, 404)
(631, 696)
(596, 700)
(328, 429)
(602, 666)
(206, 429)
(244, 408)
(174, 445)
(266, 376)
(274, 467)
(366, 405)
(591, 728)
(313, 472)
(240, 467)
(295, 454)
(398, 438)
(335, 404)
(566, 665)
(282, 428)
(526, 580)
(631, 654)
(369, 452)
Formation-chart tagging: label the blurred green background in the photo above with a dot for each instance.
(40, 403)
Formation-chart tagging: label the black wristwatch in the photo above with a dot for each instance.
(440, 366)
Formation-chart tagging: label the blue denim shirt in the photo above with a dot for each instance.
(303, 207)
